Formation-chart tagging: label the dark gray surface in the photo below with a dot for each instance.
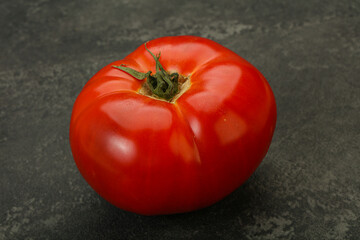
(308, 186)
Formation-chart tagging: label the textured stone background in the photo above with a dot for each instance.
(308, 186)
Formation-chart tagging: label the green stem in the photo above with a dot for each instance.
(161, 84)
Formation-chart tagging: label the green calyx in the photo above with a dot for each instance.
(161, 84)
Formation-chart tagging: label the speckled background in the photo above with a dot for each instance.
(308, 186)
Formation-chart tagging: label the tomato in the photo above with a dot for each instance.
(153, 154)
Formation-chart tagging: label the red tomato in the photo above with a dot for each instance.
(151, 156)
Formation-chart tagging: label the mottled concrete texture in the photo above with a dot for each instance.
(308, 186)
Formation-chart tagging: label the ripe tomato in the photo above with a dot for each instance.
(179, 150)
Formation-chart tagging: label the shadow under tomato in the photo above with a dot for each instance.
(228, 216)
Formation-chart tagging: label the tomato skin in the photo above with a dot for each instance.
(154, 157)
